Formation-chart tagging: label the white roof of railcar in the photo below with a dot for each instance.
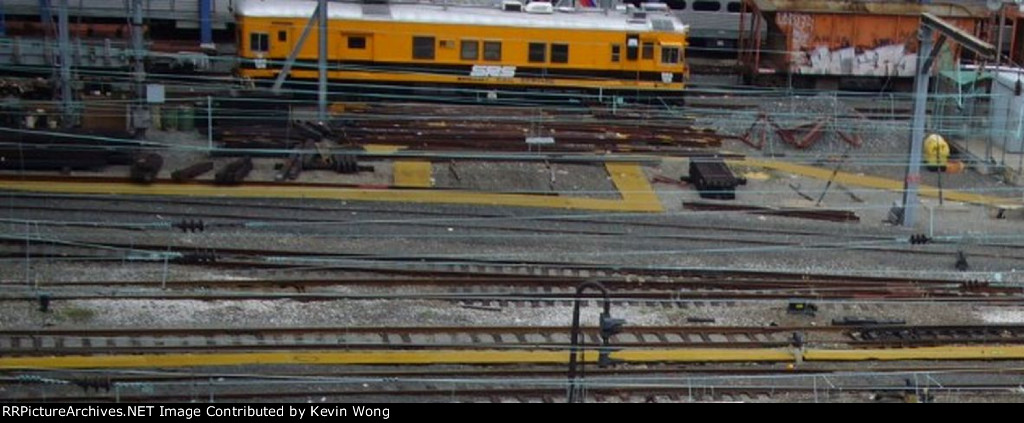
(465, 15)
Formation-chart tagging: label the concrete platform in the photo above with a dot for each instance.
(875, 182)
(1012, 164)
(635, 191)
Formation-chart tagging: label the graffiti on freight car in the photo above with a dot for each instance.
(886, 60)
(800, 26)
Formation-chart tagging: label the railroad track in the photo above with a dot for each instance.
(94, 341)
(135, 341)
(500, 391)
(87, 377)
(262, 211)
(505, 292)
(484, 283)
(938, 335)
(219, 256)
(81, 247)
(533, 226)
(468, 393)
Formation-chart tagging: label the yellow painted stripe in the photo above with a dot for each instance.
(352, 194)
(929, 353)
(384, 357)
(381, 148)
(874, 182)
(413, 173)
(633, 186)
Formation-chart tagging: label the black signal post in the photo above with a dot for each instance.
(609, 326)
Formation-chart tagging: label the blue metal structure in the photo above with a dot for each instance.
(205, 23)
(3, 23)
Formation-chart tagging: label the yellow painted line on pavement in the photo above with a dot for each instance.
(413, 173)
(381, 148)
(927, 353)
(875, 182)
(633, 186)
(407, 173)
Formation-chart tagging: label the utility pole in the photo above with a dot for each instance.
(140, 112)
(67, 104)
(322, 90)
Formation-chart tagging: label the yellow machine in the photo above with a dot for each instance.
(936, 152)
(531, 46)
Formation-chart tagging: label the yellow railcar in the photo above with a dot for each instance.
(510, 46)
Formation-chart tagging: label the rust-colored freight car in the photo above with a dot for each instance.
(1014, 14)
(829, 43)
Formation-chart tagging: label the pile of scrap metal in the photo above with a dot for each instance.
(64, 159)
(191, 172)
(26, 88)
(801, 137)
(475, 127)
(146, 167)
(234, 173)
(29, 143)
(318, 156)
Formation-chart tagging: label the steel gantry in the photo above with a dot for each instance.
(319, 19)
(930, 25)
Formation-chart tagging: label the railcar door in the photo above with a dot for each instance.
(282, 39)
(633, 54)
(632, 47)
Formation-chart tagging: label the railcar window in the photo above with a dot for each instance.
(470, 50)
(616, 52)
(648, 51)
(492, 50)
(282, 36)
(357, 43)
(733, 7)
(707, 6)
(669, 55)
(559, 53)
(538, 51)
(259, 42)
(423, 48)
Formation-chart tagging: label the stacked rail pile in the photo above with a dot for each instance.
(49, 149)
(442, 127)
